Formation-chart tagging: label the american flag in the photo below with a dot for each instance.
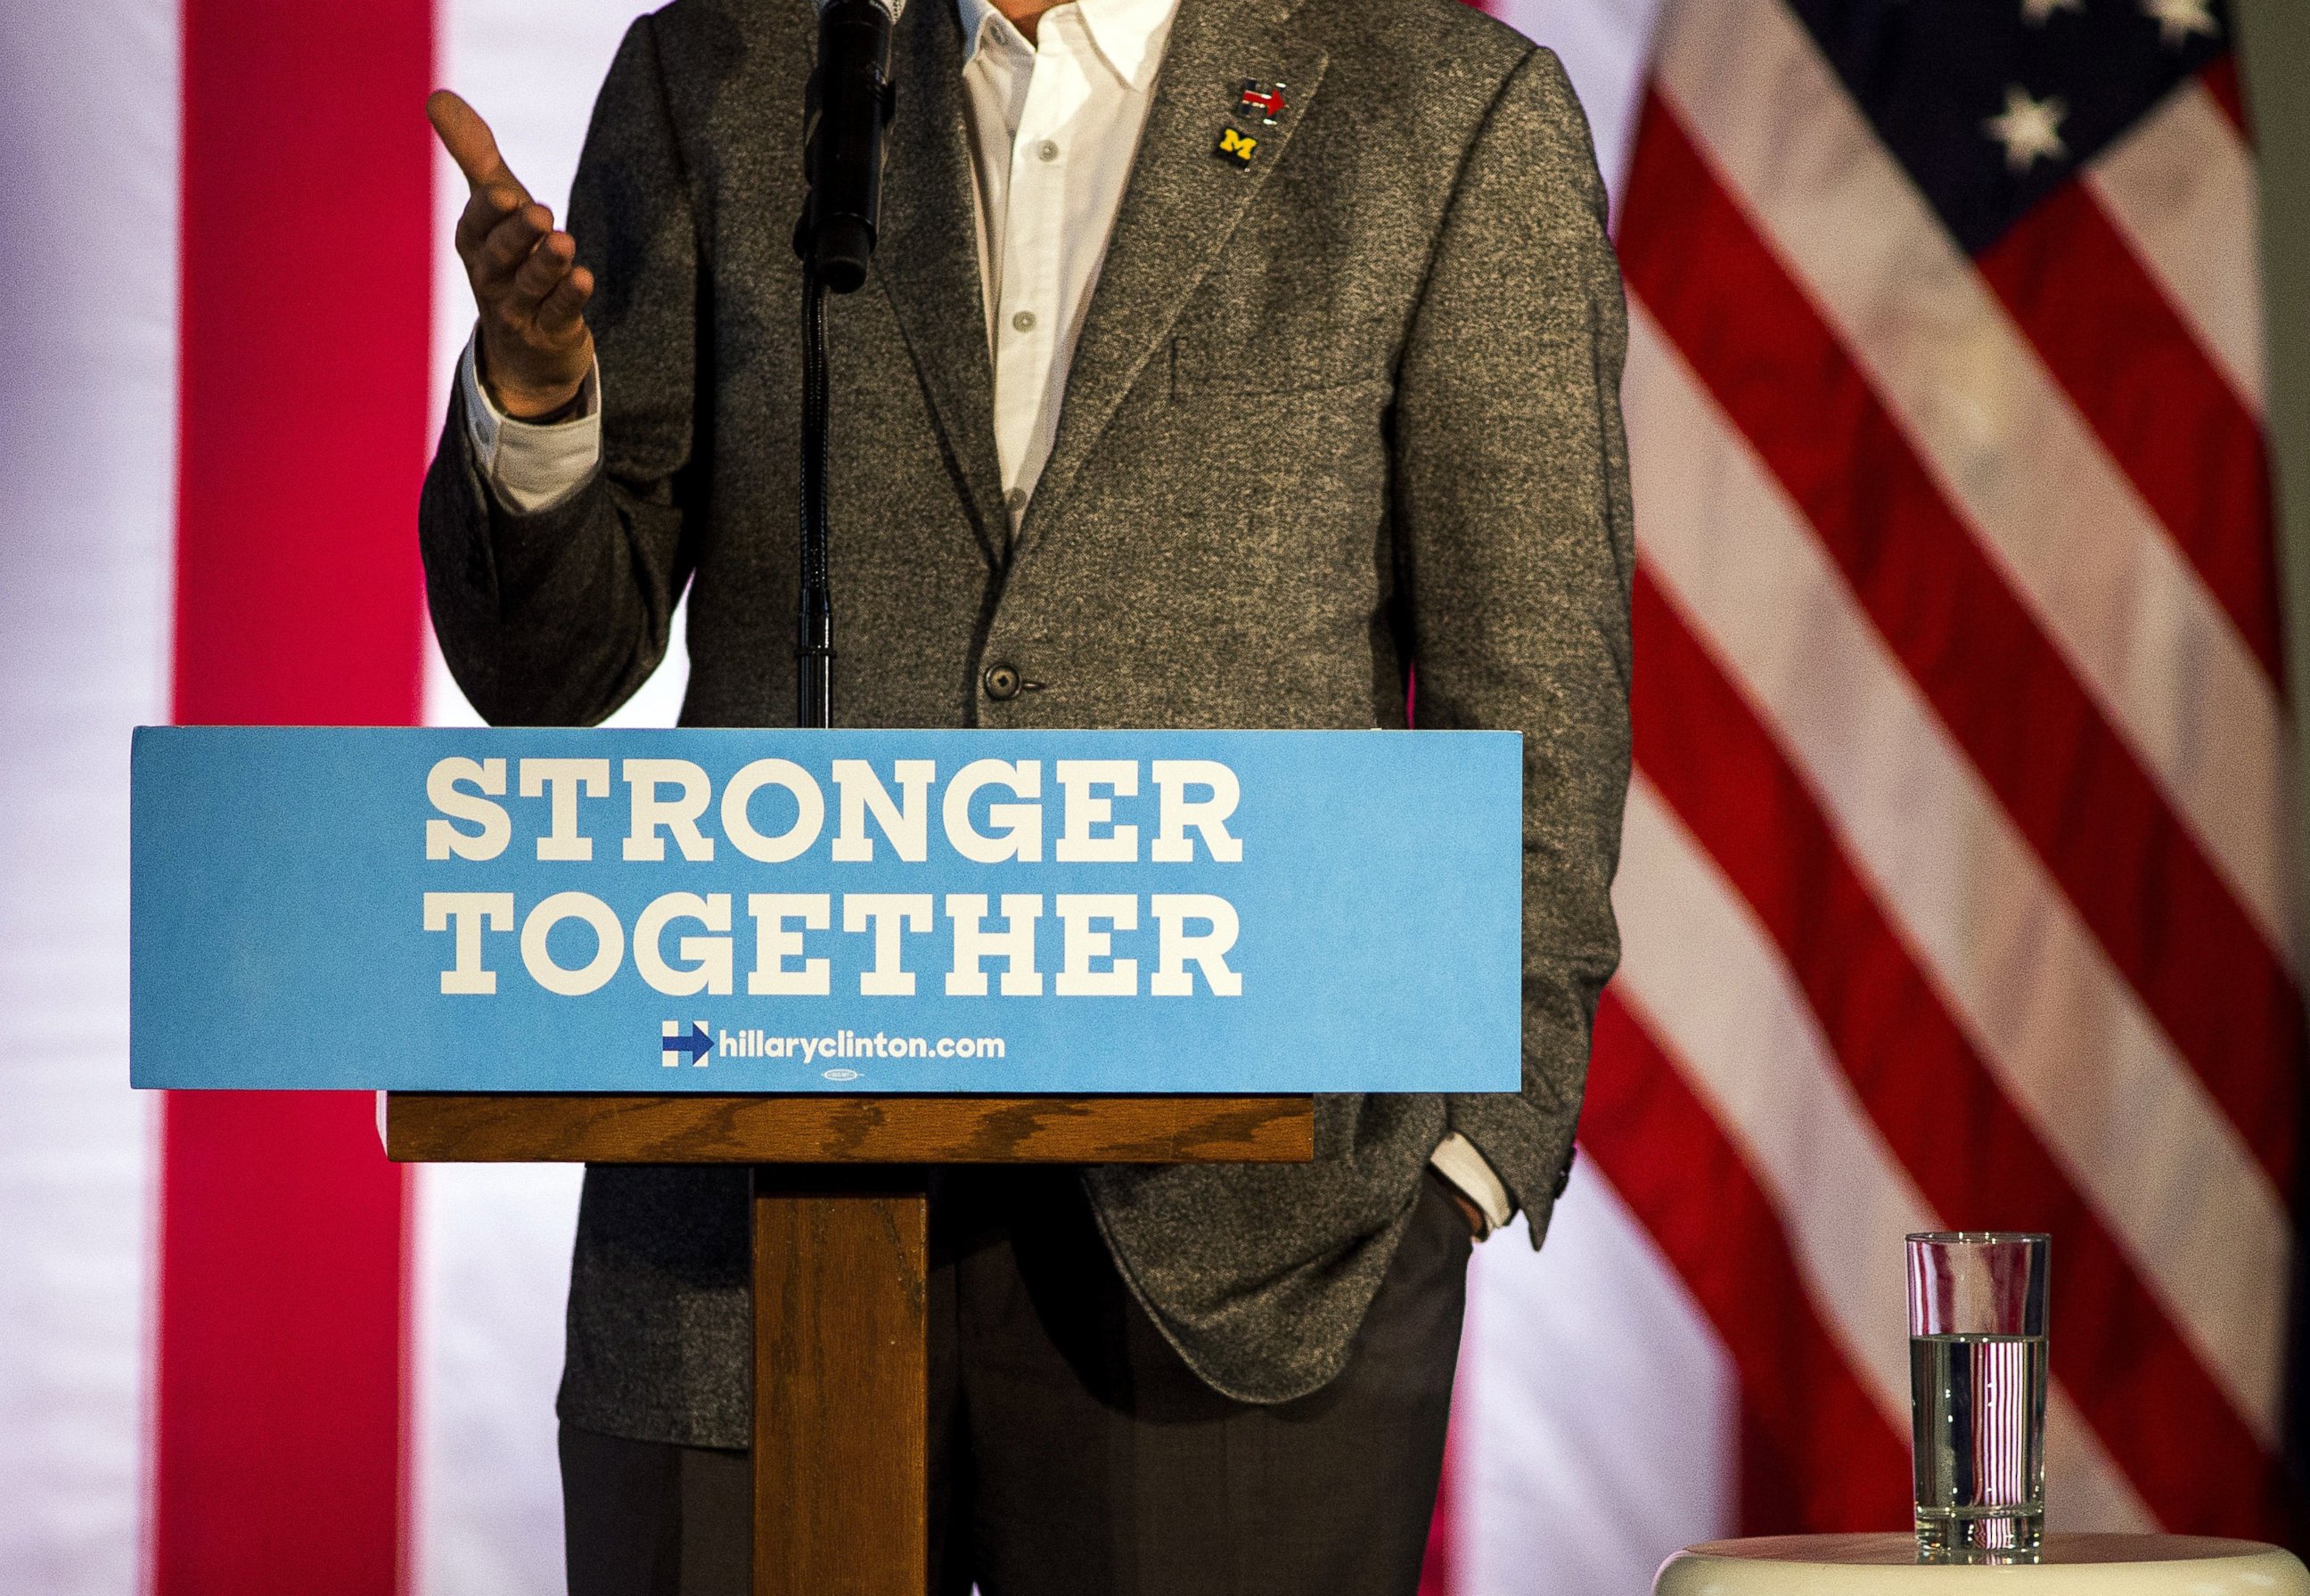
(1957, 885)
(1955, 889)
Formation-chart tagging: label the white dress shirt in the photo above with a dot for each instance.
(1055, 128)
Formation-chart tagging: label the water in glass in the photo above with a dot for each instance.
(1978, 1406)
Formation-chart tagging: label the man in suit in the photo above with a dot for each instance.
(1225, 363)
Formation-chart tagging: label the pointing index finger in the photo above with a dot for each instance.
(470, 142)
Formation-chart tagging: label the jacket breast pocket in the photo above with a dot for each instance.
(1206, 365)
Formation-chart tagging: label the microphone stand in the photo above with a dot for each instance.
(814, 624)
(850, 102)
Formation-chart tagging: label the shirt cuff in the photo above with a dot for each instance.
(1456, 1160)
(530, 467)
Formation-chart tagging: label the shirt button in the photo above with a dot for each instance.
(1024, 322)
(1015, 501)
(1001, 682)
(1046, 151)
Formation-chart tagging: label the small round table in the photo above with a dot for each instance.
(2072, 1566)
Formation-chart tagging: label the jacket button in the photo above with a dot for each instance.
(1001, 682)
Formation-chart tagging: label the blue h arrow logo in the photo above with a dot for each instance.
(677, 1044)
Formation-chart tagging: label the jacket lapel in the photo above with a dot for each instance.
(927, 257)
(1181, 207)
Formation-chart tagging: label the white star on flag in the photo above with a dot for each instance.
(2030, 129)
(2041, 12)
(2178, 20)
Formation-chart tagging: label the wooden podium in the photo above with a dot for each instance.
(841, 1259)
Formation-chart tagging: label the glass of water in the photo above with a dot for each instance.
(1977, 1394)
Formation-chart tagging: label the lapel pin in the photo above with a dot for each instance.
(1263, 101)
(1234, 148)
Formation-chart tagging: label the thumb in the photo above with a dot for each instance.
(470, 142)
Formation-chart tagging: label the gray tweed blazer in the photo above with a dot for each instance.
(1347, 413)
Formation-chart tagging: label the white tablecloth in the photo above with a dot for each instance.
(2073, 1566)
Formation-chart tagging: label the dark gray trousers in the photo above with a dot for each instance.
(1072, 1453)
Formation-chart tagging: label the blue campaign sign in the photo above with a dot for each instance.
(560, 910)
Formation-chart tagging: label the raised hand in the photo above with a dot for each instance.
(535, 348)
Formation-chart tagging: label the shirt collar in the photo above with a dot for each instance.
(1129, 33)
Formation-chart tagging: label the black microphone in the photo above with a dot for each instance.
(847, 110)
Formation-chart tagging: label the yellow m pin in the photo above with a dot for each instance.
(1235, 147)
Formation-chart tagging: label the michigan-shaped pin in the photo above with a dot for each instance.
(1235, 147)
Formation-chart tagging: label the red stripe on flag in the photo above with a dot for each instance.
(278, 1434)
(303, 406)
(2221, 80)
(1815, 1453)
(1439, 1567)
(2069, 782)
(2169, 418)
(1938, 1107)
(303, 394)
